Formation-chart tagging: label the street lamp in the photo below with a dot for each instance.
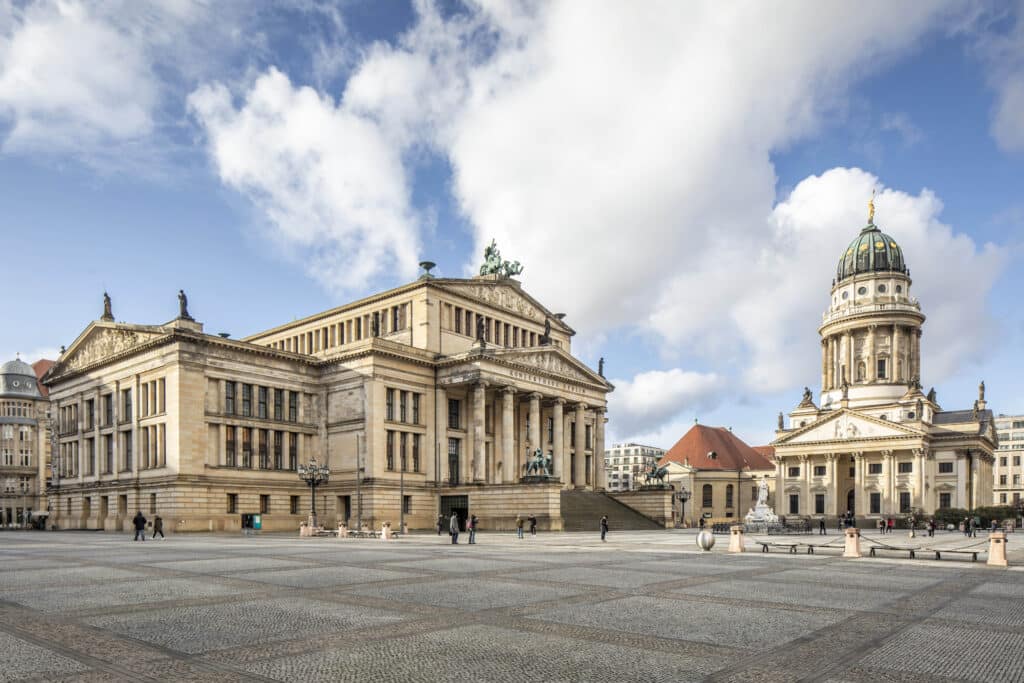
(314, 475)
(682, 495)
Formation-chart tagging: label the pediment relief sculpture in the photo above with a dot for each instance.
(501, 296)
(102, 344)
(552, 363)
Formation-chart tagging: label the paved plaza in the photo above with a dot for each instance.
(646, 606)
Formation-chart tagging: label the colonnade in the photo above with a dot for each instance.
(839, 355)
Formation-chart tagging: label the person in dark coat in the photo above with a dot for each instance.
(533, 525)
(453, 528)
(473, 522)
(821, 527)
(158, 526)
(440, 524)
(604, 528)
(140, 526)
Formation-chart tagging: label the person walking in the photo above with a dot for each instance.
(821, 526)
(158, 527)
(701, 524)
(604, 528)
(519, 526)
(473, 522)
(931, 527)
(533, 525)
(891, 525)
(440, 524)
(453, 528)
(140, 526)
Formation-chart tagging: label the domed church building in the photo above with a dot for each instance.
(877, 445)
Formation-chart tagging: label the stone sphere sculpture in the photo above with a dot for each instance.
(705, 540)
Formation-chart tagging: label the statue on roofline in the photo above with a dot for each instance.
(493, 265)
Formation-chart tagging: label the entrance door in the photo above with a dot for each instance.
(850, 501)
(457, 504)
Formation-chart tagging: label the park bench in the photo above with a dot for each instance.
(948, 551)
(830, 544)
(774, 544)
(897, 548)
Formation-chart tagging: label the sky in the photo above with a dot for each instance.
(679, 178)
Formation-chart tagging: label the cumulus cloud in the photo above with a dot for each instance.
(900, 123)
(651, 398)
(326, 178)
(1000, 43)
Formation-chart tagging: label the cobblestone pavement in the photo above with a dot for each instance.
(80, 606)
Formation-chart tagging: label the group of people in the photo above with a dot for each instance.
(454, 526)
(140, 522)
(531, 520)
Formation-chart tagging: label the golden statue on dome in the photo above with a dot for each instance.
(871, 209)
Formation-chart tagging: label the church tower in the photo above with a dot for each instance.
(871, 333)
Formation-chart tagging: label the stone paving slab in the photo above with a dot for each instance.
(468, 593)
(805, 594)
(21, 660)
(325, 577)
(68, 576)
(231, 565)
(55, 599)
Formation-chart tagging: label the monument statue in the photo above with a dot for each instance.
(493, 265)
(981, 391)
(807, 396)
(183, 305)
(545, 338)
(762, 492)
(600, 366)
(539, 463)
(480, 332)
(108, 315)
(655, 473)
(846, 389)
(782, 424)
(932, 395)
(761, 514)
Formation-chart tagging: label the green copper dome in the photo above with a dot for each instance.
(871, 251)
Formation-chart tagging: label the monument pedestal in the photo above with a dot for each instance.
(997, 549)
(852, 548)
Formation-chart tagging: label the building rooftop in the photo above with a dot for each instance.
(716, 448)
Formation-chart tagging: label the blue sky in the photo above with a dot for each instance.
(680, 181)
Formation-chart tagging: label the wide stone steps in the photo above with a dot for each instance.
(582, 511)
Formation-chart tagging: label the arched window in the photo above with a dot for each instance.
(728, 496)
(706, 496)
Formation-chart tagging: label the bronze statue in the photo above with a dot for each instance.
(932, 395)
(480, 331)
(655, 473)
(545, 338)
(846, 389)
(981, 391)
(493, 265)
(183, 305)
(600, 366)
(107, 313)
(807, 395)
(781, 421)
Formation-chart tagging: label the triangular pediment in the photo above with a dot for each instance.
(847, 425)
(505, 294)
(553, 361)
(101, 341)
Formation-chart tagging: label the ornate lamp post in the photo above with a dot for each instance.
(314, 475)
(682, 495)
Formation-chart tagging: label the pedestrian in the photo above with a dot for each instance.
(453, 528)
(533, 525)
(821, 526)
(473, 521)
(158, 526)
(995, 524)
(440, 524)
(701, 524)
(931, 527)
(604, 528)
(519, 526)
(891, 525)
(140, 526)
(881, 525)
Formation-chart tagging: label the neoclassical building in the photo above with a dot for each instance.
(422, 400)
(24, 443)
(877, 445)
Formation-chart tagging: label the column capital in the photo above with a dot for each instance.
(886, 454)
(535, 396)
(581, 406)
(481, 384)
(558, 400)
(600, 410)
(831, 456)
(803, 457)
(508, 390)
(857, 455)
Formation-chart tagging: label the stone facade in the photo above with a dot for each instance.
(878, 445)
(24, 445)
(626, 464)
(1008, 470)
(395, 393)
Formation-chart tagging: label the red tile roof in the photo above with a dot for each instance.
(730, 452)
(40, 367)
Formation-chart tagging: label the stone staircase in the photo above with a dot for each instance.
(582, 511)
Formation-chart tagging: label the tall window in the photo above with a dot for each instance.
(108, 410)
(945, 500)
(293, 406)
(453, 413)
(126, 415)
(127, 451)
(278, 404)
(882, 369)
(232, 503)
(904, 502)
(794, 504)
(389, 404)
(261, 404)
(415, 409)
(264, 504)
(108, 461)
(819, 503)
(391, 450)
(293, 505)
(407, 504)
(229, 447)
(551, 430)
(229, 398)
(246, 447)
(278, 455)
(588, 436)
(90, 413)
(293, 452)
(264, 447)
(403, 444)
(706, 496)
(246, 400)
(403, 398)
(415, 452)
(728, 496)
(875, 502)
(454, 446)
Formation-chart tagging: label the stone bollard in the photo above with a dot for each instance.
(852, 548)
(385, 532)
(736, 544)
(997, 549)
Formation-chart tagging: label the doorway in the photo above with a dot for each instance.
(850, 502)
(457, 504)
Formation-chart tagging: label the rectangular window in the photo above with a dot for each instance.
(945, 500)
(229, 398)
(293, 504)
(415, 409)
(1002, 461)
(588, 437)
(261, 402)
(108, 410)
(127, 440)
(874, 468)
(1002, 498)
(551, 430)
(278, 450)
(278, 404)
(389, 404)
(945, 468)
(1016, 461)
(407, 504)
(402, 445)
(728, 496)
(152, 503)
(881, 368)
(904, 502)
(126, 403)
(1016, 480)
(794, 471)
(246, 447)
(293, 452)
(293, 406)
(403, 405)
(390, 453)
(453, 413)
(572, 432)
(819, 503)
(264, 504)
(246, 400)
(90, 414)
(794, 504)
(1002, 480)
(229, 446)
(454, 447)
(819, 470)
(108, 462)
(458, 320)
(875, 502)
(906, 467)
(415, 452)
(232, 503)
(264, 449)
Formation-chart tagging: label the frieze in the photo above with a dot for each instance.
(101, 345)
(549, 362)
(502, 297)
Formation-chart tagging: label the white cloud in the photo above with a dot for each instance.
(900, 123)
(998, 33)
(326, 178)
(641, 405)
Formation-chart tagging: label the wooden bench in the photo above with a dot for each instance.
(897, 548)
(938, 553)
(766, 544)
(812, 546)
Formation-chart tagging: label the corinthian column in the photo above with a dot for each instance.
(601, 475)
(824, 363)
(479, 432)
(557, 452)
(534, 435)
(900, 372)
(508, 452)
(579, 464)
(869, 351)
